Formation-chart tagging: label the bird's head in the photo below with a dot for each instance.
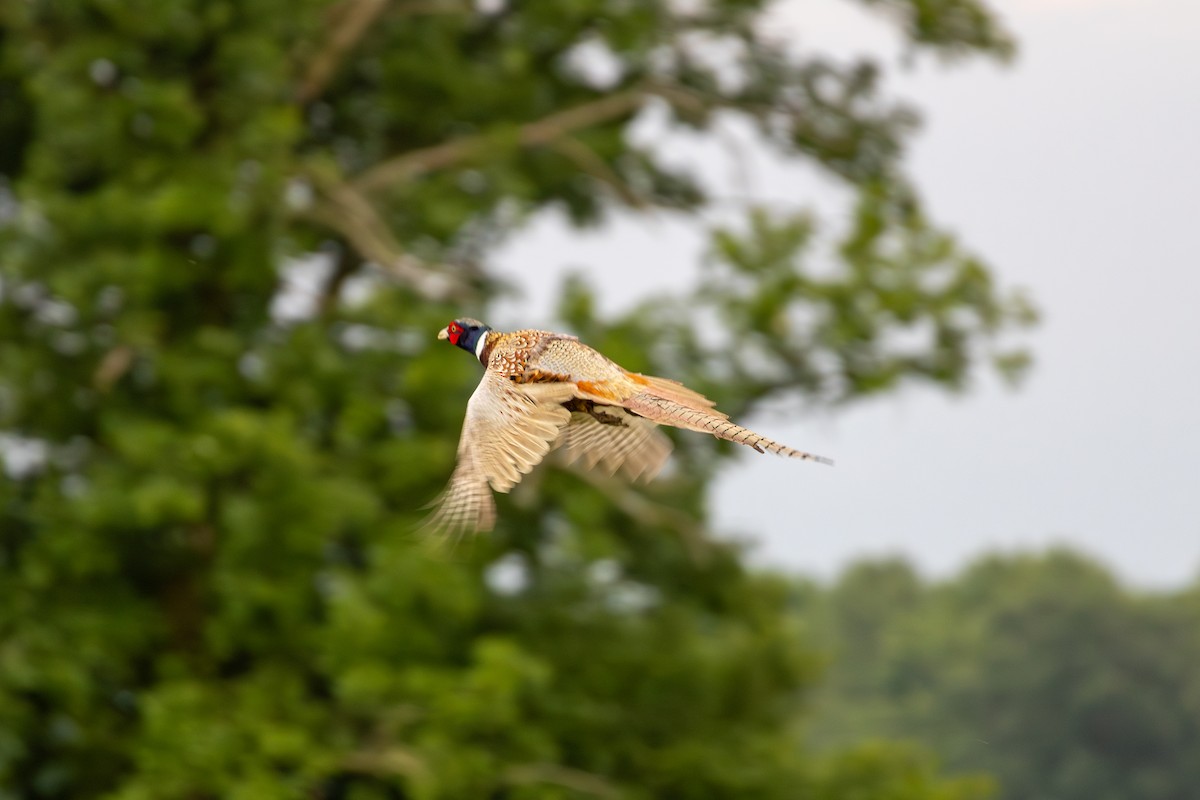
(466, 333)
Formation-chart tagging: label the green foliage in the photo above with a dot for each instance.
(211, 583)
(1041, 671)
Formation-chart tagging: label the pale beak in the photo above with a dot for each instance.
(444, 333)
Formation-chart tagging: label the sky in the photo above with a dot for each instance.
(1075, 172)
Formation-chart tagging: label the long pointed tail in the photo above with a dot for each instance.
(668, 389)
(669, 412)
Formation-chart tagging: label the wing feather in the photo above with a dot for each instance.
(507, 431)
(634, 447)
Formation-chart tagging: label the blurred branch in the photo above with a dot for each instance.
(590, 162)
(435, 7)
(348, 22)
(540, 132)
(343, 268)
(685, 98)
(565, 777)
(345, 210)
(387, 761)
(113, 366)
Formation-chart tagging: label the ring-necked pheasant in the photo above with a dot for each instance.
(542, 390)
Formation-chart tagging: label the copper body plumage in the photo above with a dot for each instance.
(543, 390)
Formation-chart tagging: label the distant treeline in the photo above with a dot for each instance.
(1041, 670)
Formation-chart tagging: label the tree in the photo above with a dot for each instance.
(1040, 670)
(206, 553)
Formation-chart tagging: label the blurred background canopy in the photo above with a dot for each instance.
(228, 235)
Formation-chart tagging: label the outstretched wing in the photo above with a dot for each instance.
(507, 431)
(615, 441)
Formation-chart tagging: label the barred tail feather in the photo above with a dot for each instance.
(668, 389)
(669, 412)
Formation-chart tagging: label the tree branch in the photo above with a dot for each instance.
(344, 266)
(344, 206)
(544, 131)
(590, 162)
(113, 366)
(346, 211)
(568, 778)
(350, 20)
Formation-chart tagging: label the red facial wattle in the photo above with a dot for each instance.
(455, 332)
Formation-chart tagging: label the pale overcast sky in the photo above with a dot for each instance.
(1076, 173)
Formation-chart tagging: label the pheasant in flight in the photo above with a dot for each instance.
(543, 390)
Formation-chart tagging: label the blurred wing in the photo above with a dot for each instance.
(623, 442)
(507, 431)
